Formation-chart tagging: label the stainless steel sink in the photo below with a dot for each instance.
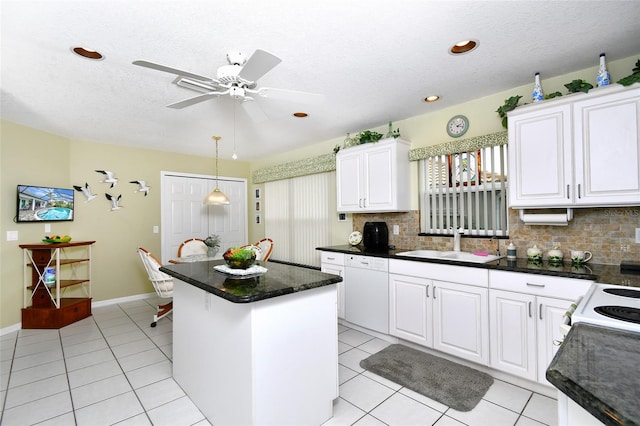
(461, 256)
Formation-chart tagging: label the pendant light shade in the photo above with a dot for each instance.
(216, 197)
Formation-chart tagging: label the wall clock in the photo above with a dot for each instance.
(457, 126)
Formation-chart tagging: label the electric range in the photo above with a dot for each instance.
(610, 305)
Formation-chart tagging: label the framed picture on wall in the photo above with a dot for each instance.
(464, 168)
(258, 219)
(257, 190)
(257, 206)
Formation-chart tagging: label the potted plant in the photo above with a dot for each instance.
(213, 244)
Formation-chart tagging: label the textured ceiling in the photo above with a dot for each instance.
(372, 61)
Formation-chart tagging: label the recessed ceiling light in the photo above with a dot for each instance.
(300, 114)
(464, 46)
(87, 53)
(431, 98)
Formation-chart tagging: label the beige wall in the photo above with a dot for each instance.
(28, 156)
(32, 157)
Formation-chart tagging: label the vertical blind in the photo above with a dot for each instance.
(297, 216)
(465, 190)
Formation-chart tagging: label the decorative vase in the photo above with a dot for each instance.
(537, 94)
(389, 132)
(603, 78)
(212, 251)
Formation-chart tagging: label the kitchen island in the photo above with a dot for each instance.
(256, 350)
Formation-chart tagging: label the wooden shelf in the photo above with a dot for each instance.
(47, 308)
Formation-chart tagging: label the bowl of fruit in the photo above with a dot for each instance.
(57, 239)
(239, 257)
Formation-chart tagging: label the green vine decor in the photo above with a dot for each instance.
(369, 136)
(633, 78)
(509, 105)
(579, 86)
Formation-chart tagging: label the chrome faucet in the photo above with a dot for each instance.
(456, 238)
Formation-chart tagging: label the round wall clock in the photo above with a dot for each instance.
(457, 126)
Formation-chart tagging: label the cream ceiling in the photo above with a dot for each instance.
(372, 60)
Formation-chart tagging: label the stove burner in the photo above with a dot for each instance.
(624, 292)
(623, 313)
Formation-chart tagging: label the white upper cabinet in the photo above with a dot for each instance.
(581, 150)
(374, 177)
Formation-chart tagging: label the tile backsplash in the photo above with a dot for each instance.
(608, 233)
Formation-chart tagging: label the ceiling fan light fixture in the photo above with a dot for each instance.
(88, 53)
(432, 98)
(300, 114)
(216, 197)
(464, 46)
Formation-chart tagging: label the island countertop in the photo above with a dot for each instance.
(597, 368)
(280, 279)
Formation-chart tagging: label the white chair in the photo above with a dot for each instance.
(192, 247)
(266, 247)
(162, 283)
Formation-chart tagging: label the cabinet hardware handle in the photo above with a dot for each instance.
(434, 292)
(535, 285)
(540, 314)
(364, 202)
(427, 292)
(568, 192)
(331, 258)
(579, 195)
(530, 310)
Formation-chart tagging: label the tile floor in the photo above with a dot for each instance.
(113, 368)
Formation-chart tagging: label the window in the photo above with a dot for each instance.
(297, 216)
(465, 190)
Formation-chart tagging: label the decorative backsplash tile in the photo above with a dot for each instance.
(608, 233)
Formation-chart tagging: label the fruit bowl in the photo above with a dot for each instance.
(239, 257)
(54, 239)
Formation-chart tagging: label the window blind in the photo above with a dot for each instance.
(297, 217)
(465, 190)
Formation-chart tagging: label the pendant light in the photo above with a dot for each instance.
(216, 197)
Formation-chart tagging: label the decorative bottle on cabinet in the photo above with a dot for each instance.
(390, 131)
(603, 78)
(537, 94)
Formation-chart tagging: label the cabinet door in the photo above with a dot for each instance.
(549, 312)
(336, 270)
(513, 333)
(461, 321)
(349, 176)
(607, 149)
(540, 157)
(410, 309)
(380, 179)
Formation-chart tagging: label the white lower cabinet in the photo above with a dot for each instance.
(461, 321)
(449, 317)
(333, 263)
(410, 309)
(525, 320)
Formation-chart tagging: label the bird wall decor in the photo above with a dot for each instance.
(115, 201)
(109, 177)
(143, 187)
(86, 191)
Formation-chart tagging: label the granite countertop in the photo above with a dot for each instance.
(597, 367)
(609, 274)
(280, 279)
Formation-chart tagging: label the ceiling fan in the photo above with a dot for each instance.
(238, 79)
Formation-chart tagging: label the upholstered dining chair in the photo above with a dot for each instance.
(192, 246)
(162, 283)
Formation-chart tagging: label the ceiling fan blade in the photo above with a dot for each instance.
(254, 111)
(175, 71)
(290, 95)
(194, 100)
(258, 64)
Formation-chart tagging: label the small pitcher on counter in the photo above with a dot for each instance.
(579, 257)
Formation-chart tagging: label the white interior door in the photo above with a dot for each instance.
(184, 216)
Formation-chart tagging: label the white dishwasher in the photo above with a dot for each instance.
(367, 292)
